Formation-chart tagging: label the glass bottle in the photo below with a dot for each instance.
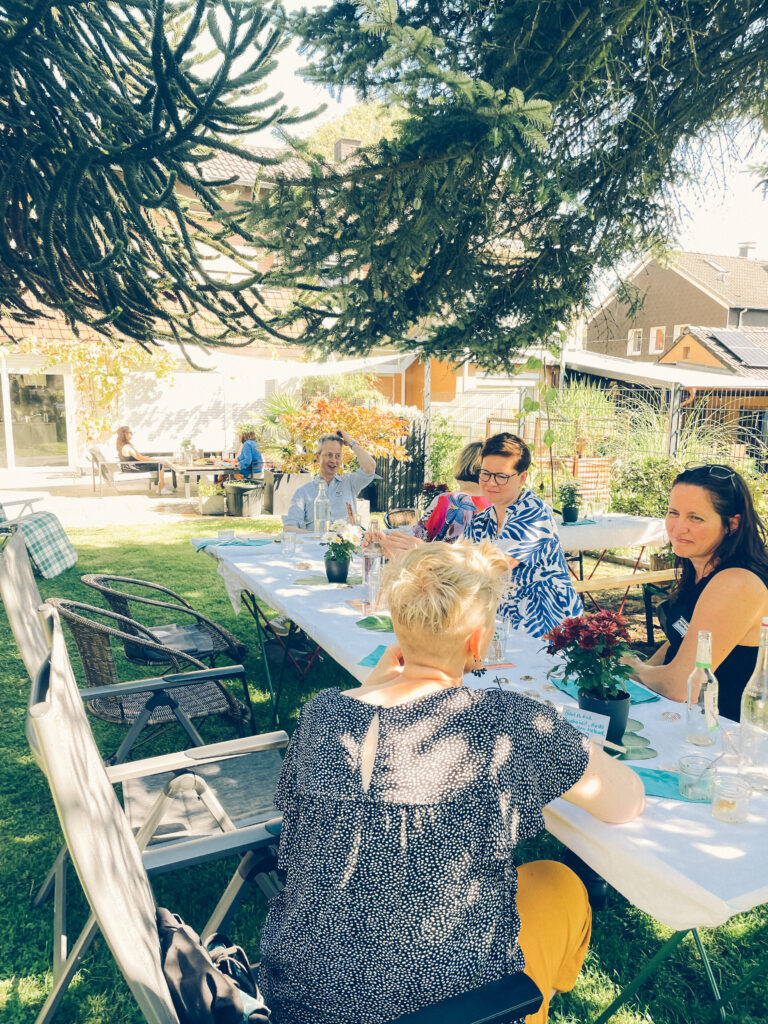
(373, 555)
(753, 730)
(701, 711)
(322, 510)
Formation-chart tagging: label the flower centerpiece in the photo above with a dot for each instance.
(591, 647)
(341, 540)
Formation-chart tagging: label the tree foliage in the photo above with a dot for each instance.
(539, 149)
(108, 114)
(367, 122)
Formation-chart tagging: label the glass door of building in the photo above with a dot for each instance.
(38, 419)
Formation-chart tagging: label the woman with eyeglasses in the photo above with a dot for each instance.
(719, 542)
(523, 527)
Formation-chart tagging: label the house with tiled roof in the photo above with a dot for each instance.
(644, 318)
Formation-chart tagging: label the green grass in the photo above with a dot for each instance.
(623, 938)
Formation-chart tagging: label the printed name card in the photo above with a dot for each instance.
(586, 721)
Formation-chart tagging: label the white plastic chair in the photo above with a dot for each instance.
(111, 864)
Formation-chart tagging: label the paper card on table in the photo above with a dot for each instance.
(373, 658)
(586, 721)
(357, 604)
(499, 664)
(660, 783)
(249, 542)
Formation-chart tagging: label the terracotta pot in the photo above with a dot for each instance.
(617, 710)
(336, 570)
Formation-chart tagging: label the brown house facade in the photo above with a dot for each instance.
(694, 288)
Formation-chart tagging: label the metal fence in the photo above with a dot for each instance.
(399, 484)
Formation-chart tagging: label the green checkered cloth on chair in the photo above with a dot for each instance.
(47, 544)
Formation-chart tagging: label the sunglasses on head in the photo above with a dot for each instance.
(715, 469)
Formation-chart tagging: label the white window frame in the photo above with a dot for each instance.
(653, 336)
(635, 341)
(677, 330)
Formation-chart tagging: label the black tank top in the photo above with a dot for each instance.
(734, 671)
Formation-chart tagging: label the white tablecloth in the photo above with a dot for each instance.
(675, 862)
(611, 531)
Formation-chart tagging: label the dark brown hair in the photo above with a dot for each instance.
(509, 446)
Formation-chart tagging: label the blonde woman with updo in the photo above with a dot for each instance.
(403, 801)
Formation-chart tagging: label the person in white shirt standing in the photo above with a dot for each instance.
(342, 490)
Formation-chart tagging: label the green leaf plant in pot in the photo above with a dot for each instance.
(591, 647)
(569, 498)
(342, 540)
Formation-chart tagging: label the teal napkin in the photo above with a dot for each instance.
(659, 783)
(250, 542)
(637, 693)
(373, 658)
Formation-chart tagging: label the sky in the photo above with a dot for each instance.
(727, 207)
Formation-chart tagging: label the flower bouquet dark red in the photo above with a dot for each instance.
(591, 647)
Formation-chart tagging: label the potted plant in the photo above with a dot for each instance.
(211, 499)
(569, 497)
(245, 498)
(591, 647)
(664, 558)
(341, 540)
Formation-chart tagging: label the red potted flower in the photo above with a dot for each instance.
(591, 647)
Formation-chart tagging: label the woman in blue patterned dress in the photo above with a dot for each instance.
(523, 527)
(403, 803)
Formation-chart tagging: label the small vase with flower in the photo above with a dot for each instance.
(591, 647)
(342, 540)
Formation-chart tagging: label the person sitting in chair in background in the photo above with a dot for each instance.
(342, 490)
(132, 461)
(447, 516)
(404, 801)
(249, 459)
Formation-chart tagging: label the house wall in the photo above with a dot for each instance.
(690, 350)
(669, 300)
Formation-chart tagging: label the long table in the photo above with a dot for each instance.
(676, 862)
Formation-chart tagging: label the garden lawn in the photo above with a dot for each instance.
(623, 937)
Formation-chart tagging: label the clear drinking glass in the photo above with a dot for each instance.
(730, 799)
(373, 585)
(289, 543)
(694, 779)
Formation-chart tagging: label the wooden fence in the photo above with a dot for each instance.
(399, 484)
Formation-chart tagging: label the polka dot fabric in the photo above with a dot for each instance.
(404, 894)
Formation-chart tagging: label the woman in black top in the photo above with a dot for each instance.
(720, 547)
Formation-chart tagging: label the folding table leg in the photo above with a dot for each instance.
(626, 994)
(252, 605)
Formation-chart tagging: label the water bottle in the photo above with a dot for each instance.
(322, 510)
(701, 711)
(753, 731)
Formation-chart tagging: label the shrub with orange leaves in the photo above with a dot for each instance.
(380, 432)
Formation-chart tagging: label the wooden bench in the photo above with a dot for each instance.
(102, 470)
(649, 581)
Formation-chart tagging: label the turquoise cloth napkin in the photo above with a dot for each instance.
(659, 783)
(373, 658)
(637, 693)
(251, 542)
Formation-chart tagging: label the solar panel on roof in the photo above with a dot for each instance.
(739, 345)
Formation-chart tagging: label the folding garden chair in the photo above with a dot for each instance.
(195, 634)
(113, 865)
(496, 1002)
(173, 697)
(17, 508)
(22, 600)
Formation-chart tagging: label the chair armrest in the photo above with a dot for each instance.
(194, 757)
(169, 856)
(153, 684)
(508, 998)
(93, 580)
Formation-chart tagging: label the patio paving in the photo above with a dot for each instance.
(72, 499)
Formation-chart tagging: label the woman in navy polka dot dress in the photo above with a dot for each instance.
(403, 801)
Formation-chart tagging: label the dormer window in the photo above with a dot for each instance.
(635, 342)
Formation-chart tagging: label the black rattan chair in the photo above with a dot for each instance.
(195, 634)
(135, 708)
(400, 517)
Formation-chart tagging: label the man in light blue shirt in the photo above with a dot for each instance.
(342, 490)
